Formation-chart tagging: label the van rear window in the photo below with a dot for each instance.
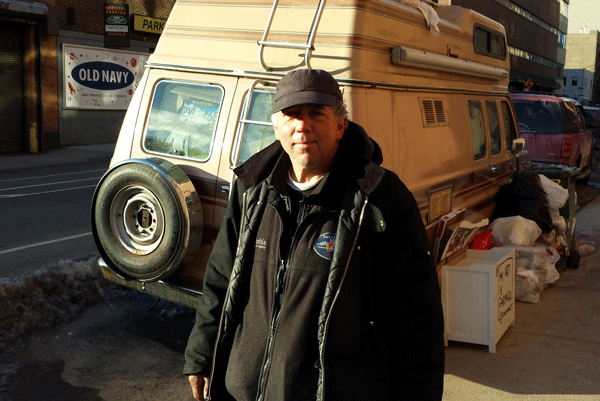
(538, 117)
(183, 119)
(256, 132)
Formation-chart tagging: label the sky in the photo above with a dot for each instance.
(584, 14)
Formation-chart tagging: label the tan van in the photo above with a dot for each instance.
(428, 82)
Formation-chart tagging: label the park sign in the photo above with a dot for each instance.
(116, 25)
(143, 23)
(100, 79)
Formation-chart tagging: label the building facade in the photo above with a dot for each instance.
(578, 84)
(536, 35)
(582, 67)
(36, 82)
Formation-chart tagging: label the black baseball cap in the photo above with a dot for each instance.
(306, 86)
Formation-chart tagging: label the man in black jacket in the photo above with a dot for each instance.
(320, 285)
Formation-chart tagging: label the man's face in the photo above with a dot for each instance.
(310, 135)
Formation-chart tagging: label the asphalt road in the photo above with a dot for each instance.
(45, 215)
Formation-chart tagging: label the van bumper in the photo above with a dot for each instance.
(170, 291)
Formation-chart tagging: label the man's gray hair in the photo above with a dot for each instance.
(339, 109)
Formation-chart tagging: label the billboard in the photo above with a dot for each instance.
(99, 78)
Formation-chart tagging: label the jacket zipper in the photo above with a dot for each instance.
(337, 293)
(280, 285)
(279, 290)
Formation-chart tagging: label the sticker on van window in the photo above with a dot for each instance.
(204, 113)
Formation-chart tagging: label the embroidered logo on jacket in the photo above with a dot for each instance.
(324, 245)
(261, 243)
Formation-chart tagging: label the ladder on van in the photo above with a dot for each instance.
(308, 47)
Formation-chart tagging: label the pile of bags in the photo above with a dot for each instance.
(535, 264)
(528, 220)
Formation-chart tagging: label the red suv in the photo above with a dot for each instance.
(555, 131)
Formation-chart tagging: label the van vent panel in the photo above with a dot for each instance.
(434, 113)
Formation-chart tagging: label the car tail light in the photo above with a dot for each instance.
(567, 149)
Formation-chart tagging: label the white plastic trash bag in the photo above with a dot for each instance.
(557, 196)
(558, 220)
(539, 258)
(515, 231)
(527, 287)
(535, 269)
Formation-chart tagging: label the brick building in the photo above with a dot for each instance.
(34, 107)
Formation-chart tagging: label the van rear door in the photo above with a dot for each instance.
(186, 125)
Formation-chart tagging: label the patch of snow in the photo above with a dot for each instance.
(586, 250)
(594, 185)
(53, 295)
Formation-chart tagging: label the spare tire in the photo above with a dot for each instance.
(146, 219)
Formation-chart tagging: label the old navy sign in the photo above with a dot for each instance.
(102, 75)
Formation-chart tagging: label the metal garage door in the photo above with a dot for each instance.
(12, 136)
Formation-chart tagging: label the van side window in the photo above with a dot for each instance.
(489, 42)
(494, 126)
(477, 129)
(183, 119)
(509, 125)
(257, 129)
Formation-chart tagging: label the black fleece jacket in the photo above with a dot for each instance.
(380, 327)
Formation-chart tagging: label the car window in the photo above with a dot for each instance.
(572, 118)
(477, 129)
(589, 116)
(592, 114)
(183, 119)
(494, 126)
(537, 116)
(509, 125)
(256, 132)
(582, 118)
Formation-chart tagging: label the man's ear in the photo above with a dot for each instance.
(274, 120)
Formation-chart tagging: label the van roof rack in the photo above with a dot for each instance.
(310, 41)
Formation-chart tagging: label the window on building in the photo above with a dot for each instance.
(564, 8)
(574, 81)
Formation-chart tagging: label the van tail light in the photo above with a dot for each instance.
(567, 150)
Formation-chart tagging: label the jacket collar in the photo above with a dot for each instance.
(357, 155)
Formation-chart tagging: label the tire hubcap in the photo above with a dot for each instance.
(137, 220)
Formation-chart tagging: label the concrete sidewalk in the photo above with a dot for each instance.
(58, 157)
(553, 350)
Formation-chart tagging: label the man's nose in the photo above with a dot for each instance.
(303, 123)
